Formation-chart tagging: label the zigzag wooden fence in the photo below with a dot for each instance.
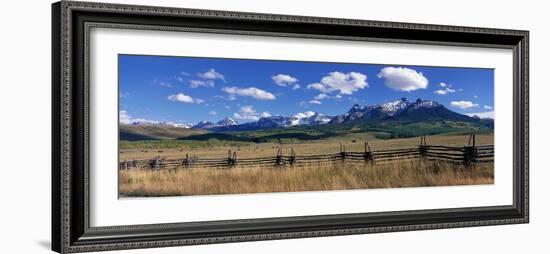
(467, 155)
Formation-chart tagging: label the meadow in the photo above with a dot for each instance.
(144, 182)
(176, 149)
(184, 182)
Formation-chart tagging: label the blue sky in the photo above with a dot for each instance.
(189, 90)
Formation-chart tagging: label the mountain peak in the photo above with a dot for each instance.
(227, 121)
(425, 104)
(394, 107)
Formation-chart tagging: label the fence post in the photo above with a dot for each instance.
(229, 160)
(234, 158)
(423, 148)
(279, 159)
(368, 154)
(470, 151)
(186, 161)
(343, 152)
(292, 156)
(156, 163)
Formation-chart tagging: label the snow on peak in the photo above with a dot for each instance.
(305, 114)
(391, 108)
(227, 121)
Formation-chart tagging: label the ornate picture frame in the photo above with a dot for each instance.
(71, 229)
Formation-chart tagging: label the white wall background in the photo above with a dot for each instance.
(25, 125)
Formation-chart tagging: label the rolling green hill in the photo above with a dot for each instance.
(152, 132)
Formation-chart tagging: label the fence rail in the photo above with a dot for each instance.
(467, 155)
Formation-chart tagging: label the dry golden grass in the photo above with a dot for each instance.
(184, 182)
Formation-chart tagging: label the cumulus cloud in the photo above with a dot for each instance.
(248, 113)
(487, 107)
(284, 80)
(305, 114)
(184, 98)
(211, 74)
(344, 83)
(445, 89)
(295, 87)
(198, 83)
(253, 92)
(124, 117)
(315, 102)
(464, 104)
(403, 79)
(321, 96)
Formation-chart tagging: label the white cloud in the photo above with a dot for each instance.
(198, 83)
(265, 114)
(464, 104)
(489, 114)
(211, 74)
(314, 102)
(184, 98)
(321, 96)
(487, 107)
(295, 87)
(284, 80)
(212, 113)
(345, 83)
(403, 79)
(304, 114)
(248, 113)
(124, 117)
(253, 92)
(445, 89)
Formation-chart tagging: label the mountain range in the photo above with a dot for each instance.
(406, 116)
(399, 110)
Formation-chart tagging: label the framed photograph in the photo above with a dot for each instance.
(181, 126)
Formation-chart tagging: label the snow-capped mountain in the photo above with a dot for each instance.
(304, 118)
(393, 110)
(228, 121)
(401, 109)
(310, 118)
(160, 124)
(394, 107)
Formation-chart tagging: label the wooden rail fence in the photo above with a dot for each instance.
(467, 155)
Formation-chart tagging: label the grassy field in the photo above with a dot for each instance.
(182, 182)
(176, 149)
(315, 177)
